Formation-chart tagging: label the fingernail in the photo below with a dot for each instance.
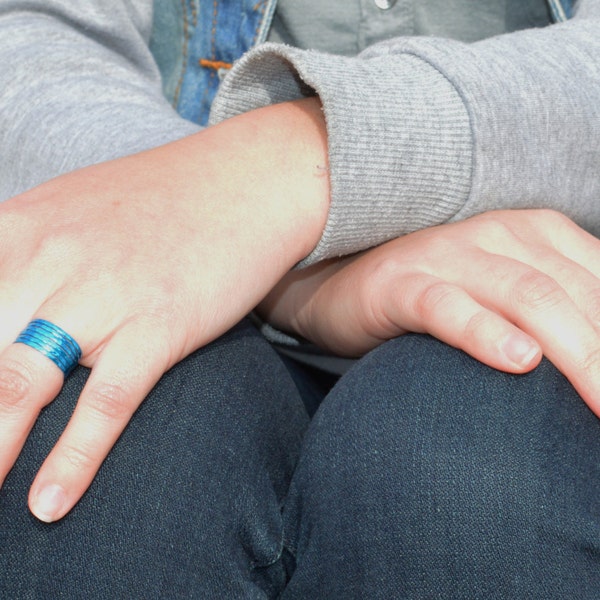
(48, 503)
(519, 350)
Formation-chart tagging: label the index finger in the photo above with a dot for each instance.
(121, 378)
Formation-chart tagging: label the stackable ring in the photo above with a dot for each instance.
(53, 342)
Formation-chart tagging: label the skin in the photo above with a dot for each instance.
(147, 258)
(143, 260)
(504, 287)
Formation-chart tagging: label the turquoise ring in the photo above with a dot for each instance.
(53, 342)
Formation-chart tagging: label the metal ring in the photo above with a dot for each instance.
(53, 342)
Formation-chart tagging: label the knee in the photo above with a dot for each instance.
(416, 401)
(421, 447)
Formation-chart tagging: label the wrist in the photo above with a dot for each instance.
(274, 160)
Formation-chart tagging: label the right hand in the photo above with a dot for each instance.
(503, 286)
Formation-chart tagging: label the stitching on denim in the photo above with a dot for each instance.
(259, 7)
(558, 11)
(268, 11)
(186, 41)
(194, 8)
(214, 64)
(213, 50)
(213, 32)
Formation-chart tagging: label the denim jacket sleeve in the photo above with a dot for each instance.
(78, 85)
(424, 131)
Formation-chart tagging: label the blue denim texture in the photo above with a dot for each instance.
(561, 10)
(423, 474)
(194, 42)
(220, 31)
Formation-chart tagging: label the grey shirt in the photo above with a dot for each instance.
(349, 26)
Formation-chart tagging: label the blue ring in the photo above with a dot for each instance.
(53, 342)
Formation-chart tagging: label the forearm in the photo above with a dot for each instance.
(271, 166)
(256, 183)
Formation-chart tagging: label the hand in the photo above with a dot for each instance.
(503, 286)
(143, 260)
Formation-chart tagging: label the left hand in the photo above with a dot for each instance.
(503, 286)
(143, 260)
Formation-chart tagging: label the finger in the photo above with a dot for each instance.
(28, 382)
(430, 305)
(18, 303)
(129, 366)
(582, 285)
(539, 305)
(575, 243)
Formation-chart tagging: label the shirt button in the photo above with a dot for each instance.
(384, 4)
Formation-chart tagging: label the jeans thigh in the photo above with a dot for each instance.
(187, 505)
(425, 474)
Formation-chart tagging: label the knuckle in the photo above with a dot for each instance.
(78, 459)
(475, 325)
(494, 225)
(386, 270)
(110, 401)
(558, 227)
(552, 216)
(381, 283)
(590, 363)
(536, 290)
(592, 307)
(433, 299)
(16, 384)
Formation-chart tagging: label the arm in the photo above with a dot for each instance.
(426, 131)
(79, 86)
(142, 260)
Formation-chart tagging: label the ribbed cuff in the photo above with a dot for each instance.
(400, 146)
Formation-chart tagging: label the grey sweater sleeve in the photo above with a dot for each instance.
(424, 131)
(78, 85)
(421, 131)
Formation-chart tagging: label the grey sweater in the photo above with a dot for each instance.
(421, 130)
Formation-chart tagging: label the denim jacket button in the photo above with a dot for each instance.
(384, 4)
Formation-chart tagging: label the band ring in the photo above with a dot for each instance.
(53, 342)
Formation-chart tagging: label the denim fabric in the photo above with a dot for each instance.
(195, 42)
(424, 474)
(187, 504)
(561, 10)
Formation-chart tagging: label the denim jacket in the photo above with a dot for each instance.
(211, 36)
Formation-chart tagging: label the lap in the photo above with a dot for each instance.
(187, 503)
(423, 474)
(428, 474)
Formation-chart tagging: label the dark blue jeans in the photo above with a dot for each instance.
(422, 475)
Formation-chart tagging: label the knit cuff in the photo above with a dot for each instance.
(399, 137)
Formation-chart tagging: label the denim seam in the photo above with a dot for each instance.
(263, 29)
(558, 11)
(213, 50)
(258, 565)
(186, 41)
(259, 7)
